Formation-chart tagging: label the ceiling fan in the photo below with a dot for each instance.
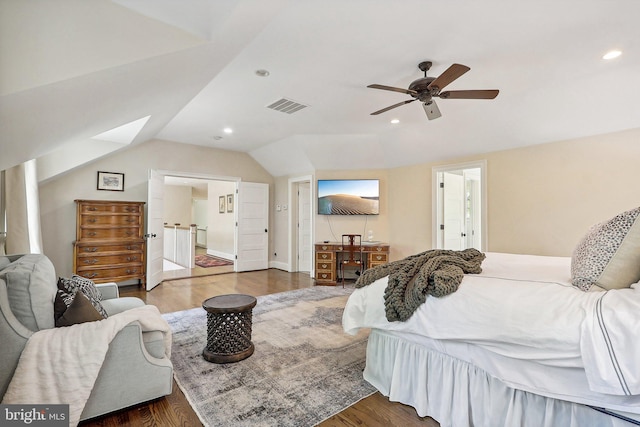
(426, 88)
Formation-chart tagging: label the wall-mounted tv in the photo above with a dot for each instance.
(348, 197)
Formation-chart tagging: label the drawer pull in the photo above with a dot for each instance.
(324, 275)
(378, 249)
(129, 233)
(91, 276)
(378, 257)
(325, 256)
(132, 271)
(130, 220)
(324, 266)
(90, 261)
(90, 249)
(324, 248)
(132, 258)
(92, 208)
(91, 220)
(92, 233)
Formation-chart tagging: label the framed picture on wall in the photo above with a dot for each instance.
(229, 202)
(110, 181)
(221, 203)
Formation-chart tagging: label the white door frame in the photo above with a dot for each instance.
(436, 203)
(209, 177)
(293, 221)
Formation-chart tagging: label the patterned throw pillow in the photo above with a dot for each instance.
(81, 310)
(608, 257)
(76, 283)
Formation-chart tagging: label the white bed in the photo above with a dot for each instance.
(516, 345)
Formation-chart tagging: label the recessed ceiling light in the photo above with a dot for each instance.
(612, 54)
(395, 121)
(227, 130)
(262, 73)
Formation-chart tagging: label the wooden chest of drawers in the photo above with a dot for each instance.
(109, 244)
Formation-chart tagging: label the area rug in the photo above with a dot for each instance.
(304, 369)
(207, 261)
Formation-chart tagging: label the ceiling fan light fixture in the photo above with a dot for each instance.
(426, 88)
(262, 73)
(612, 54)
(431, 110)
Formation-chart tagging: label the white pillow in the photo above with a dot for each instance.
(608, 256)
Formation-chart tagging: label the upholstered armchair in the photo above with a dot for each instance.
(136, 367)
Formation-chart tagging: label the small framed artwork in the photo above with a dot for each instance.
(229, 202)
(110, 181)
(221, 203)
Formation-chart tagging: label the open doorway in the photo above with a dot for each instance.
(459, 193)
(207, 207)
(301, 224)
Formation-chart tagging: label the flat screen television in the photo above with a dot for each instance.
(348, 197)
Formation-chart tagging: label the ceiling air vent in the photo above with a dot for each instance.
(286, 106)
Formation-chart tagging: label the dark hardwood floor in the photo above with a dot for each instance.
(174, 410)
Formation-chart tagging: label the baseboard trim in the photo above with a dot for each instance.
(219, 254)
(279, 265)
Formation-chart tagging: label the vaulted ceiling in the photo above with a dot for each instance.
(74, 69)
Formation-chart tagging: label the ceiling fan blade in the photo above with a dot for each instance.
(431, 109)
(391, 107)
(450, 74)
(470, 94)
(394, 89)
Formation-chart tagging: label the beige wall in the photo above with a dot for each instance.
(221, 229)
(541, 199)
(177, 205)
(57, 195)
(332, 227)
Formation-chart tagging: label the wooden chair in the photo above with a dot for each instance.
(351, 253)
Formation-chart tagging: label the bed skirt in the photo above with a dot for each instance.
(458, 394)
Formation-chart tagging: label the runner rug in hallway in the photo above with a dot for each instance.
(206, 261)
(304, 368)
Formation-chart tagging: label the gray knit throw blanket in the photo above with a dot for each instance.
(435, 272)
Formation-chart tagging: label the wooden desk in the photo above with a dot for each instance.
(328, 256)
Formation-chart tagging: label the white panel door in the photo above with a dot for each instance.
(252, 241)
(155, 229)
(304, 227)
(454, 223)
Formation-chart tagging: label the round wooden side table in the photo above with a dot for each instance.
(229, 320)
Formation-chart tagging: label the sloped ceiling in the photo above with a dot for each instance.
(71, 69)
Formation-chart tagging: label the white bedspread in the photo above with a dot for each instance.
(609, 343)
(523, 307)
(60, 365)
